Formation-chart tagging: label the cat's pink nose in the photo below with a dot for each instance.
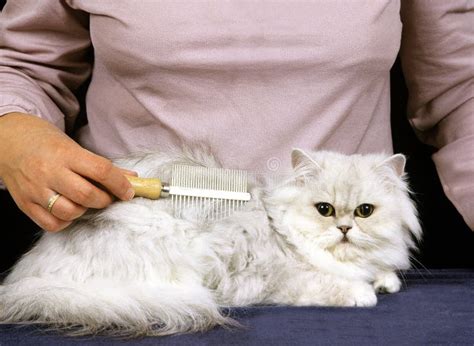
(344, 229)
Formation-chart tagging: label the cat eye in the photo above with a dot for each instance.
(364, 210)
(325, 209)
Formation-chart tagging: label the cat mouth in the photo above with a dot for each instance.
(345, 240)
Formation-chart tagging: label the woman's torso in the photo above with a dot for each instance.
(249, 79)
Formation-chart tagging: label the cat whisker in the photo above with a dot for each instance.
(402, 275)
(367, 243)
(412, 258)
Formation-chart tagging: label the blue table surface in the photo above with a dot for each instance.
(434, 307)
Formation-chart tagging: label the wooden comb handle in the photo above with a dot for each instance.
(146, 187)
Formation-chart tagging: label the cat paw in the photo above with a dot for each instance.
(363, 296)
(366, 299)
(387, 283)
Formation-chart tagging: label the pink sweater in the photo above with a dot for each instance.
(250, 78)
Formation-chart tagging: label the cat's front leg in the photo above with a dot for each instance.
(351, 293)
(387, 282)
(328, 290)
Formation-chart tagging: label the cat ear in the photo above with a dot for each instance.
(299, 158)
(396, 163)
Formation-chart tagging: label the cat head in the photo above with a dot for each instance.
(356, 208)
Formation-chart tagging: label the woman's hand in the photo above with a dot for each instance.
(37, 161)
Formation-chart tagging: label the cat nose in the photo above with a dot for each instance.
(344, 229)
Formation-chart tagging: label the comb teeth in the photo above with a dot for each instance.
(207, 193)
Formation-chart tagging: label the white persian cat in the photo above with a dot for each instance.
(334, 233)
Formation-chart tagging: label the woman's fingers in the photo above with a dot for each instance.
(104, 172)
(65, 209)
(47, 221)
(128, 172)
(23, 194)
(79, 190)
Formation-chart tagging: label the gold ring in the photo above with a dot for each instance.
(52, 200)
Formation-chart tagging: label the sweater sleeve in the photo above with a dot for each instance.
(437, 55)
(44, 56)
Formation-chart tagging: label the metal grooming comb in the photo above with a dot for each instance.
(211, 193)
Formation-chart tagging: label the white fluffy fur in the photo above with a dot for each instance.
(134, 269)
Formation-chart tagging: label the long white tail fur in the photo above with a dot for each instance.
(132, 310)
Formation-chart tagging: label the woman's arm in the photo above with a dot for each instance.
(438, 61)
(44, 58)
